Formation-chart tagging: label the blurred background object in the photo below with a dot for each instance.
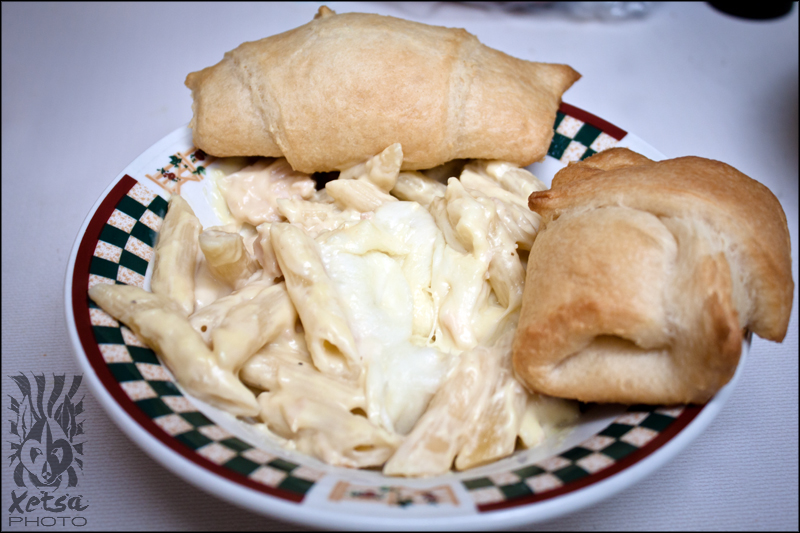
(578, 10)
(753, 10)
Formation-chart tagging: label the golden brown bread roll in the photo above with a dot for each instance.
(340, 89)
(645, 274)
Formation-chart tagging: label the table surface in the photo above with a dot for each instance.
(86, 88)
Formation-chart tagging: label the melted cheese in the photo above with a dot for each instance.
(381, 268)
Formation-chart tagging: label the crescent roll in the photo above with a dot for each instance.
(644, 276)
(338, 90)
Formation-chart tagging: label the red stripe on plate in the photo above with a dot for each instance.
(689, 414)
(80, 274)
(593, 120)
(80, 309)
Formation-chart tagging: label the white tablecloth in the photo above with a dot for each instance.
(88, 87)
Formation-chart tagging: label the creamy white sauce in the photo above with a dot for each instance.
(383, 296)
(252, 193)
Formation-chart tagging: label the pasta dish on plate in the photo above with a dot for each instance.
(368, 323)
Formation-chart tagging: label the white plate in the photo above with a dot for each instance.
(611, 448)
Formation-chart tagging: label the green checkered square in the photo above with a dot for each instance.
(576, 453)
(133, 262)
(478, 483)
(194, 439)
(144, 233)
(296, 485)
(281, 464)
(142, 355)
(516, 490)
(107, 335)
(570, 473)
(124, 372)
(154, 407)
(236, 444)
(131, 207)
(618, 450)
(164, 388)
(158, 206)
(196, 418)
(529, 471)
(616, 430)
(242, 465)
(587, 135)
(657, 422)
(114, 235)
(558, 146)
(103, 267)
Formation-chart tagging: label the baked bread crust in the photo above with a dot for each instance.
(645, 274)
(340, 89)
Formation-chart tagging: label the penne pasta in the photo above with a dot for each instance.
(510, 177)
(381, 170)
(452, 413)
(360, 195)
(317, 218)
(327, 333)
(227, 258)
(416, 187)
(327, 430)
(205, 320)
(251, 324)
(264, 253)
(161, 324)
(261, 370)
(494, 435)
(176, 255)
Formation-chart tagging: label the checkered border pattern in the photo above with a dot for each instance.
(121, 256)
(629, 432)
(577, 137)
(125, 245)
